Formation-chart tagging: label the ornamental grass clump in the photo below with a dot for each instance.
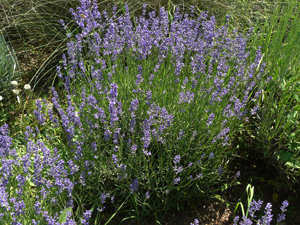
(149, 108)
(275, 129)
(8, 66)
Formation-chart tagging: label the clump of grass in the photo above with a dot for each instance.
(32, 28)
(275, 129)
(9, 72)
(9, 68)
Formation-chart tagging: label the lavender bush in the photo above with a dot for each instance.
(146, 121)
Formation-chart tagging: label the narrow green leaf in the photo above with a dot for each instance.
(296, 97)
(63, 217)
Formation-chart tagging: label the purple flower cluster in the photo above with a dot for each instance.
(39, 167)
(114, 105)
(157, 116)
(86, 217)
(176, 180)
(215, 54)
(266, 219)
(134, 186)
(283, 209)
(38, 113)
(254, 206)
(134, 107)
(196, 222)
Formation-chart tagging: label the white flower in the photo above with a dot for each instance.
(16, 91)
(1, 98)
(14, 83)
(27, 87)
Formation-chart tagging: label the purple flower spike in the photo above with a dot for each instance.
(236, 220)
(210, 119)
(186, 97)
(134, 105)
(254, 206)
(38, 113)
(176, 159)
(246, 221)
(134, 186)
(133, 149)
(281, 217)
(86, 217)
(147, 195)
(181, 133)
(220, 170)
(285, 204)
(267, 218)
(176, 180)
(196, 222)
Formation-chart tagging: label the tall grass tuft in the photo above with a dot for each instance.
(276, 126)
(9, 72)
(9, 69)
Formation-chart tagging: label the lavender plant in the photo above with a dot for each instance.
(148, 110)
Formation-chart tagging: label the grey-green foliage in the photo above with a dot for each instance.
(8, 66)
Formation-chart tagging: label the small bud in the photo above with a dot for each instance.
(1, 98)
(16, 91)
(14, 83)
(27, 87)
